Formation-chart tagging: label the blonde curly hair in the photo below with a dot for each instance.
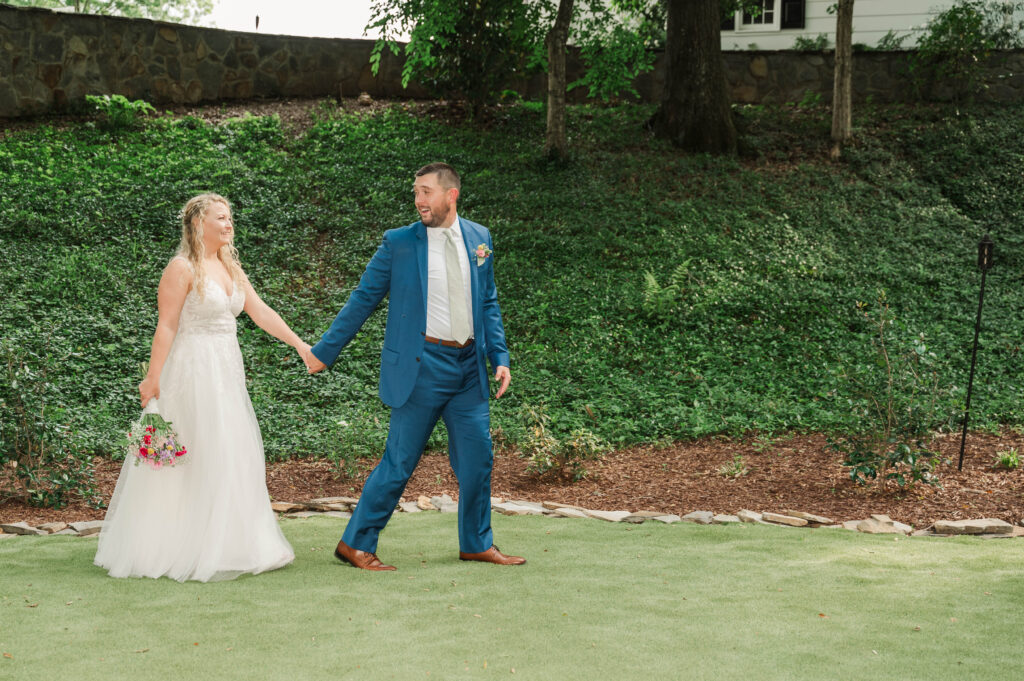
(192, 249)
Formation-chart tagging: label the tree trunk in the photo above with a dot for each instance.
(694, 113)
(843, 80)
(555, 144)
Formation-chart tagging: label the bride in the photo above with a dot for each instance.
(209, 518)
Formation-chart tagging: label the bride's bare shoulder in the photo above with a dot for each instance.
(178, 272)
(178, 262)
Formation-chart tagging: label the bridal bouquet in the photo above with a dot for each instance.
(153, 442)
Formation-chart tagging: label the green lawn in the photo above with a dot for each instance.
(595, 601)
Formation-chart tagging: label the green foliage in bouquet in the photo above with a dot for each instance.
(152, 441)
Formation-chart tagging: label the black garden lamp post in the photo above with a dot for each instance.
(984, 264)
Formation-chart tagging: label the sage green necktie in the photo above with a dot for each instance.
(456, 291)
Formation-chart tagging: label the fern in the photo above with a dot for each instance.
(662, 301)
(681, 275)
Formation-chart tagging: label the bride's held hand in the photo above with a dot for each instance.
(313, 365)
(148, 389)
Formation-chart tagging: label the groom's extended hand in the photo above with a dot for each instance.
(313, 365)
(503, 375)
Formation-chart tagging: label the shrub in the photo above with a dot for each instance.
(892, 41)
(613, 57)
(898, 404)
(819, 43)
(566, 457)
(119, 113)
(459, 49)
(41, 460)
(959, 39)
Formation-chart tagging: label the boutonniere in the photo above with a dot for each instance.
(482, 253)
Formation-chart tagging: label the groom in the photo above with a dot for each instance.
(443, 324)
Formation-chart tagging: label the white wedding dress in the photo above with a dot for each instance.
(209, 518)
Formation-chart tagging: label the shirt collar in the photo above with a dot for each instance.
(456, 229)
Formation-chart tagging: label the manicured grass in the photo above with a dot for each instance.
(595, 601)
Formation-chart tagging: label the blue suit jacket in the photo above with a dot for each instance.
(399, 269)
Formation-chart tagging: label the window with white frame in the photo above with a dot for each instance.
(775, 15)
(767, 18)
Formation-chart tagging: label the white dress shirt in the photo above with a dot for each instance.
(439, 318)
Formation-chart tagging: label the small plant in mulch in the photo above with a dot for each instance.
(1007, 459)
(547, 453)
(734, 469)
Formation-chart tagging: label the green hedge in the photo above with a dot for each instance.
(770, 254)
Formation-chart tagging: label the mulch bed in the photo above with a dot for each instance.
(790, 472)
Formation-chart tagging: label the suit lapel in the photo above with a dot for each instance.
(421, 260)
(469, 235)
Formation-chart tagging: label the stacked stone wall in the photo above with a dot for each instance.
(51, 60)
(764, 77)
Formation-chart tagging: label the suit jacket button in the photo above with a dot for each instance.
(417, 359)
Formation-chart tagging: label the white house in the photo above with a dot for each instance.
(782, 21)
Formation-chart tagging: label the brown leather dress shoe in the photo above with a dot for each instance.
(360, 559)
(493, 555)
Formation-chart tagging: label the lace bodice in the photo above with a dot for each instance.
(214, 313)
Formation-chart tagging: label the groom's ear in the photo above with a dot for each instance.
(453, 194)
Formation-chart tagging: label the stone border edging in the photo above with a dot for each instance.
(341, 507)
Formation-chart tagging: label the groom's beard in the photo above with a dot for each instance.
(437, 217)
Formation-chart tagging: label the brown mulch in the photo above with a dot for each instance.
(790, 472)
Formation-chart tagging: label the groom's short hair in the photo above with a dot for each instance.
(446, 175)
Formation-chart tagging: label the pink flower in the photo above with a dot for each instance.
(147, 438)
(482, 253)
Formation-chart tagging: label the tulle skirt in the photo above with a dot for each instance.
(208, 518)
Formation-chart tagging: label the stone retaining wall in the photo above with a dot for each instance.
(49, 60)
(787, 76)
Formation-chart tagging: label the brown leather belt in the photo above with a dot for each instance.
(447, 343)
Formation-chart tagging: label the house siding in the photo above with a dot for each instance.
(872, 19)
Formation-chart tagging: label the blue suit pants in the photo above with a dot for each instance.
(447, 387)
